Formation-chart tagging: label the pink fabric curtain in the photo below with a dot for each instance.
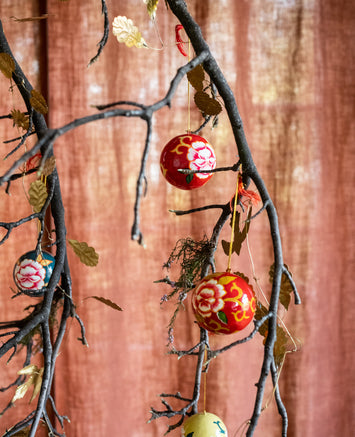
(291, 67)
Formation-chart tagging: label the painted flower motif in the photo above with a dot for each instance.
(207, 298)
(201, 157)
(29, 275)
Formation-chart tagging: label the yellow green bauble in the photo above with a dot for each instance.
(204, 425)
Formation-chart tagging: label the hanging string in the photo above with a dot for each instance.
(205, 382)
(188, 95)
(233, 225)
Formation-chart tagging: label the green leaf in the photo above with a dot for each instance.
(189, 178)
(107, 302)
(222, 317)
(38, 195)
(286, 287)
(87, 254)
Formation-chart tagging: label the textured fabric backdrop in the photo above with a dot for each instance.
(291, 66)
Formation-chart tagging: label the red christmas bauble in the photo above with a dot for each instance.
(223, 303)
(191, 152)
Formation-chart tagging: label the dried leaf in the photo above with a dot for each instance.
(239, 235)
(25, 432)
(48, 167)
(151, 7)
(196, 77)
(207, 104)
(286, 287)
(125, 31)
(34, 378)
(28, 370)
(246, 279)
(7, 65)
(38, 195)
(22, 390)
(38, 102)
(107, 302)
(280, 346)
(87, 254)
(37, 382)
(20, 119)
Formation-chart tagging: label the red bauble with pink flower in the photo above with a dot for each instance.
(190, 152)
(223, 303)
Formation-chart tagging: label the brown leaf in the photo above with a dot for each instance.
(38, 102)
(280, 346)
(107, 302)
(207, 104)
(38, 195)
(239, 235)
(48, 166)
(196, 77)
(20, 119)
(87, 254)
(25, 432)
(7, 65)
(286, 287)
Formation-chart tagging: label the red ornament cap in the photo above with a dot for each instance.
(223, 303)
(187, 151)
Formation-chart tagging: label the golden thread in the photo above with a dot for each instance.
(233, 226)
(205, 383)
(188, 94)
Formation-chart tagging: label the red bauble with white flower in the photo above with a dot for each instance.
(223, 303)
(191, 152)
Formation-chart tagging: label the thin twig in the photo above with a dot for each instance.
(105, 35)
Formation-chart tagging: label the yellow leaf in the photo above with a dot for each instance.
(107, 302)
(48, 167)
(35, 379)
(151, 7)
(206, 104)
(125, 31)
(196, 77)
(22, 389)
(28, 370)
(38, 195)
(19, 119)
(37, 382)
(87, 254)
(38, 102)
(7, 65)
